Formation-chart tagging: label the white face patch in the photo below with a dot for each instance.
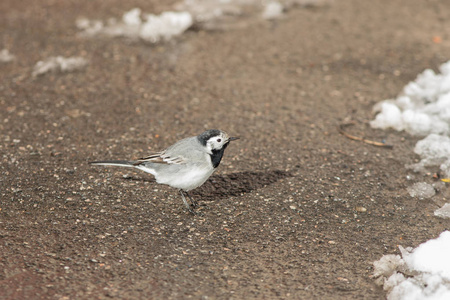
(216, 142)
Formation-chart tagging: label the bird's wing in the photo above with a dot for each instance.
(161, 158)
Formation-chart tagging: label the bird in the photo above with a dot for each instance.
(185, 165)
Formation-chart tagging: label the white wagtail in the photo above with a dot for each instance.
(185, 165)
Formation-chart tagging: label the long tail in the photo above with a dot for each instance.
(125, 163)
(118, 163)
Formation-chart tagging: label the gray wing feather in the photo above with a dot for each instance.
(181, 152)
(188, 150)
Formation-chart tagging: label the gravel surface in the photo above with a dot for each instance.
(295, 210)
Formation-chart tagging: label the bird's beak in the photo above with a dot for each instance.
(233, 138)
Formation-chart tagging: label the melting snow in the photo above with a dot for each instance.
(421, 190)
(5, 56)
(59, 63)
(272, 10)
(207, 14)
(422, 109)
(443, 212)
(422, 273)
(137, 25)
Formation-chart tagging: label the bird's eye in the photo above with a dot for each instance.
(219, 140)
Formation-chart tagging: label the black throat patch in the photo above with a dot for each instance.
(217, 155)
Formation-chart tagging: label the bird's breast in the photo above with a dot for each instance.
(185, 178)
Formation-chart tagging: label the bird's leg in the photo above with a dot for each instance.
(194, 203)
(186, 203)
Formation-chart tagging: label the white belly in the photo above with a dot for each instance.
(185, 180)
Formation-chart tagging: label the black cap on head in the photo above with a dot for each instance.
(205, 136)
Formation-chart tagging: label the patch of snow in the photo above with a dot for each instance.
(443, 212)
(59, 63)
(5, 56)
(165, 26)
(387, 265)
(434, 150)
(132, 17)
(137, 25)
(422, 273)
(272, 10)
(210, 11)
(89, 27)
(205, 14)
(390, 116)
(421, 190)
(422, 108)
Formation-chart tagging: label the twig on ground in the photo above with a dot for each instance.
(357, 138)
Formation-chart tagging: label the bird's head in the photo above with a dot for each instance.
(215, 140)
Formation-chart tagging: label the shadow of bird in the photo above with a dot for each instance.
(231, 185)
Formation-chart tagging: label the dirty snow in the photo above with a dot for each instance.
(422, 273)
(422, 109)
(272, 10)
(443, 212)
(421, 190)
(137, 25)
(59, 63)
(434, 150)
(205, 14)
(5, 56)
